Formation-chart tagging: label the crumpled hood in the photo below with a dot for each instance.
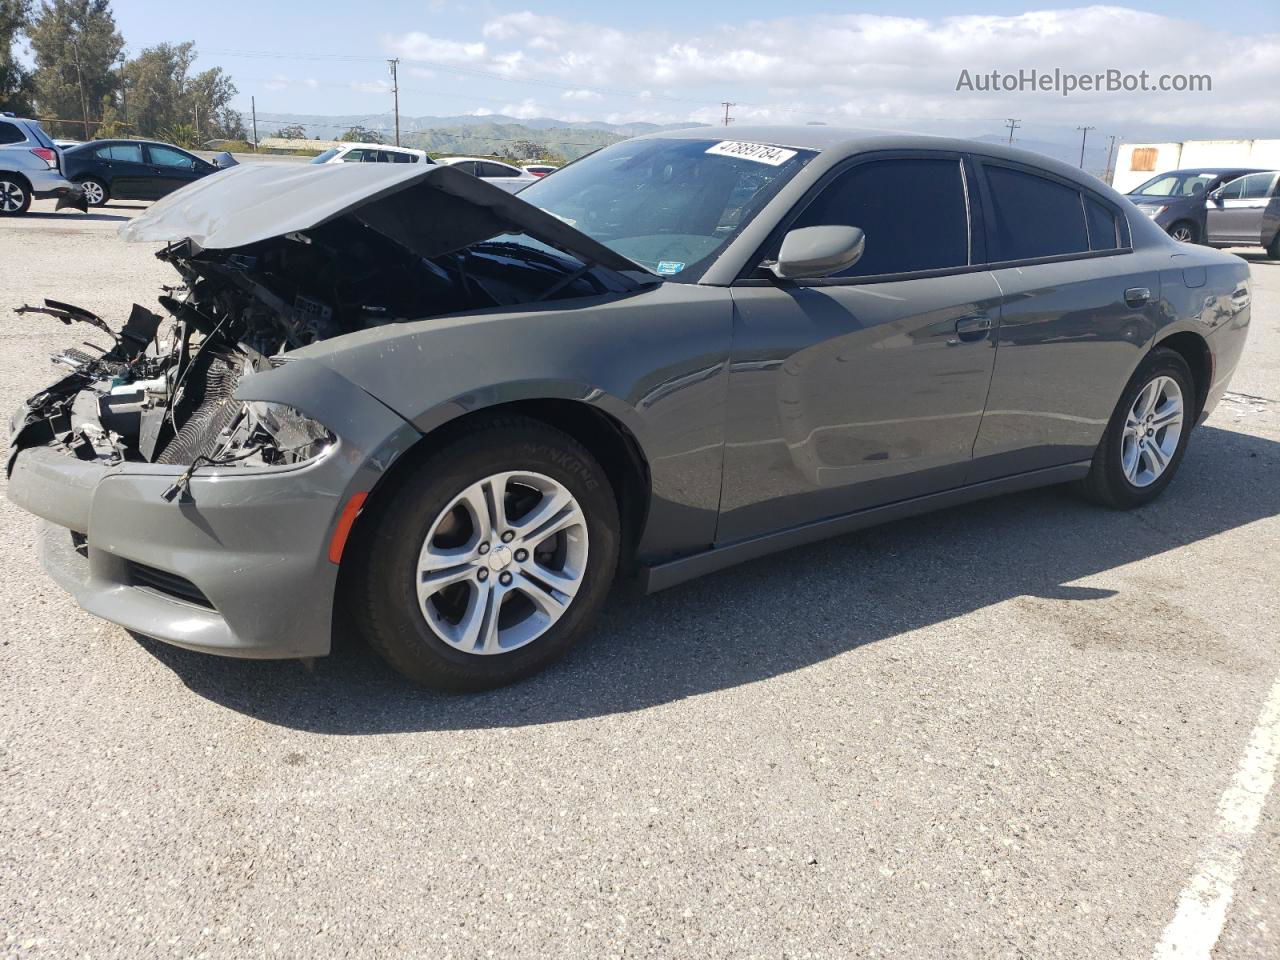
(431, 210)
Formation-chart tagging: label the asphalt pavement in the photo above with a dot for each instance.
(1004, 730)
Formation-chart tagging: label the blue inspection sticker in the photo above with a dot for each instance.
(668, 267)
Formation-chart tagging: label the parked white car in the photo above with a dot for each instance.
(504, 175)
(371, 153)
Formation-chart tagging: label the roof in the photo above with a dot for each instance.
(847, 140)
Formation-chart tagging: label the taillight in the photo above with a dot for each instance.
(48, 156)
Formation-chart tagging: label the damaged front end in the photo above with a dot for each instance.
(164, 393)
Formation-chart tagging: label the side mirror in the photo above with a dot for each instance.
(817, 252)
(1215, 196)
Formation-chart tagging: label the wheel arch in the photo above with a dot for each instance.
(19, 176)
(602, 433)
(1194, 349)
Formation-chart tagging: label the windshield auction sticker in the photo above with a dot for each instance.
(759, 152)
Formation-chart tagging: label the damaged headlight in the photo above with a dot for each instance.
(284, 435)
(262, 434)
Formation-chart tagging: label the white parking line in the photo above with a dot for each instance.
(1202, 905)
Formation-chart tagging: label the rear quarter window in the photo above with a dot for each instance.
(1104, 229)
(11, 133)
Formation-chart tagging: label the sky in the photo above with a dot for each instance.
(882, 65)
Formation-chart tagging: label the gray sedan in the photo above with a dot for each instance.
(457, 416)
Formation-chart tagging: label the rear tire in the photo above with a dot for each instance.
(1273, 250)
(1184, 231)
(96, 193)
(456, 582)
(1140, 451)
(15, 196)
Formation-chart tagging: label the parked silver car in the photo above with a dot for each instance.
(1246, 211)
(30, 165)
(509, 178)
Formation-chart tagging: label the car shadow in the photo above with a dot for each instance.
(783, 613)
(71, 215)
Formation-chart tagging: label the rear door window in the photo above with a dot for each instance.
(1033, 216)
(912, 212)
(1256, 186)
(490, 170)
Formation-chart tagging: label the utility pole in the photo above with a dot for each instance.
(726, 104)
(84, 103)
(253, 109)
(1084, 135)
(395, 92)
(197, 116)
(1013, 125)
(1111, 150)
(124, 92)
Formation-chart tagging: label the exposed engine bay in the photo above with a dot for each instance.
(163, 393)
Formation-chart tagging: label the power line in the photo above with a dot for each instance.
(523, 80)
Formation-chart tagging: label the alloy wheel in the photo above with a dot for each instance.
(93, 193)
(502, 562)
(1181, 233)
(1151, 431)
(11, 196)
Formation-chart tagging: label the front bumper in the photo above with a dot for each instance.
(239, 566)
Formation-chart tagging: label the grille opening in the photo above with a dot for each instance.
(169, 584)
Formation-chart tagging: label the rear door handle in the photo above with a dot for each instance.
(971, 330)
(1137, 296)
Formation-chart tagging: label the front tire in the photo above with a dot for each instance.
(1147, 434)
(488, 557)
(1184, 231)
(15, 197)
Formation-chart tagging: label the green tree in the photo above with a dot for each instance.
(294, 131)
(359, 134)
(75, 43)
(16, 85)
(163, 95)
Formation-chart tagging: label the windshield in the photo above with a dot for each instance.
(326, 156)
(1185, 184)
(669, 205)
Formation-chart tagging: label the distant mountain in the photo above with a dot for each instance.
(467, 133)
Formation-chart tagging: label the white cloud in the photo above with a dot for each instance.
(375, 86)
(526, 109)
(889, 71)
(580, 95)
(423, 46)
(278, 82)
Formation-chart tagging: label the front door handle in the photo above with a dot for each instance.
(971, 330)
(1137, 296)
